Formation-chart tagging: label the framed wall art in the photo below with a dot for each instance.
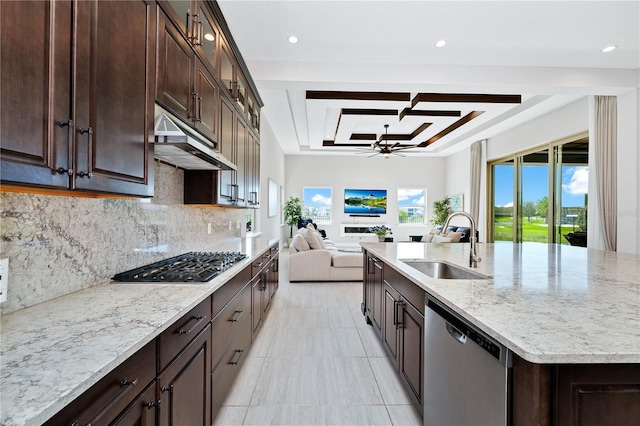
(457, 202)
(273, 199)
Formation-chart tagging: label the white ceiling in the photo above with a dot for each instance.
(547, 51)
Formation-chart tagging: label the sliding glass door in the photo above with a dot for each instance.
(533, 197)
(540, 196)
(503, 195)
(572, 178)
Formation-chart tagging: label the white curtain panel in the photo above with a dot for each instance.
(475, 179)
(605, 141)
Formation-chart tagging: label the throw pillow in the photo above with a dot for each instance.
(434, 231)
(455, 236)
(427, 238)
(440, 239)
(311, 238)
(299, 243)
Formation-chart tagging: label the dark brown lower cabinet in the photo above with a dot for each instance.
(230, 364)
(575, 394)
(227, 323)
(256, 302)
(402, 333)
(390, 335)
(411, 350)
(374, 301)
(263, 287)
(142, 411)
(184, 386)
(273, 273)
(592, 395)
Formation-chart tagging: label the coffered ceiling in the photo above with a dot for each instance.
(360, 65)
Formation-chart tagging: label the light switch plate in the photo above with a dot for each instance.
(4, 279)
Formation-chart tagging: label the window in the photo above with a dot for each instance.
(411, 205)
(316, 204)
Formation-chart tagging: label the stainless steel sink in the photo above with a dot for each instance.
(443, 271)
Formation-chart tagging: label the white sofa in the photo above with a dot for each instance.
(312, 258)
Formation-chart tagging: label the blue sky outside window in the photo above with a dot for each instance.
(316, 204)
(411, 205)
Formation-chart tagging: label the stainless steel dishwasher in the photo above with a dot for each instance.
(466, 373)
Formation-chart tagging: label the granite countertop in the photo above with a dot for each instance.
(549, 304)
(52, 352)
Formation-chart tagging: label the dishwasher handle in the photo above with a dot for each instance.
(456, 334)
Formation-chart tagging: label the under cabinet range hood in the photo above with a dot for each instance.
(177, 144)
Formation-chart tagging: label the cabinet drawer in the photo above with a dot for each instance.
(225, 373)
(260, 263)
(224, 294)
(105, 400)
(410, 291)
(179, 334)
(229, 321)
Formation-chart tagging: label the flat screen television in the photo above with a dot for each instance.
(365, 201)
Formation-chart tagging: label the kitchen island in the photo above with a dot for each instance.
(53, 352)
(570, 315)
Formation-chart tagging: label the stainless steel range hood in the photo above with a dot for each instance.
(178, 144)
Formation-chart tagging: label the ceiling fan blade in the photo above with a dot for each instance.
(394, 145)
(402, 148)
(377, 153)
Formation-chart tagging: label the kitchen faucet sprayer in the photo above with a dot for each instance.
(473, 256)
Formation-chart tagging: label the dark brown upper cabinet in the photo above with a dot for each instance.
(186, 85)
(76, 110)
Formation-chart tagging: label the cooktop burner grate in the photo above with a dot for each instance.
(187, 267)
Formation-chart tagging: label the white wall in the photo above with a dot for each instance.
(272, 166)
(566, 121)
(457, 175)
(341, 172)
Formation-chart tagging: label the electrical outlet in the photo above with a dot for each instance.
(4, 279)
(238, 224)
(230, 225)
(209, 228)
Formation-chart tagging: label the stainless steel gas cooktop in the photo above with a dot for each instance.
(188, 267)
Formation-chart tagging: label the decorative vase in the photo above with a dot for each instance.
(381, 238)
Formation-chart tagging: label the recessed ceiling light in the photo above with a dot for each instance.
(293, 39)
(209, 36)
(609, 48)
(441, 43)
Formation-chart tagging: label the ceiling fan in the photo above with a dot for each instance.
(385, 149)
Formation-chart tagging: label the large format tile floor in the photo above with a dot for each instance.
(316, 362)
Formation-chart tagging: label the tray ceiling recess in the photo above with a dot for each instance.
(426, 122)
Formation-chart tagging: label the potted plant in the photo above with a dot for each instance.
(441, 211)
(381, 231)
(292, 213)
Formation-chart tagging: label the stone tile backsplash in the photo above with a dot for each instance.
(60, 244)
